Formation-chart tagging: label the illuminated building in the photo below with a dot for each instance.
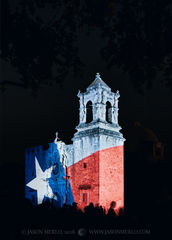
(94, 162)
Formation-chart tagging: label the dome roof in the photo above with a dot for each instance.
(97, 81)
(139, 134)
(144, 134)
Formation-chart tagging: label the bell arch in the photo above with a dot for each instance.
(89, 112)
(108, 112)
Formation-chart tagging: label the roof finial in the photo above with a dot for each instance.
(117, 95)
(57, 138)
(98, 75)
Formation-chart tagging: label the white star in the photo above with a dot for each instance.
(40, 183)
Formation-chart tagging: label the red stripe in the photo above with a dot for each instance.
(100, 176)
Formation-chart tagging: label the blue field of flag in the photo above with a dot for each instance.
(45, 176)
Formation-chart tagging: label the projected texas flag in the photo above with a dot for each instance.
(93, 163)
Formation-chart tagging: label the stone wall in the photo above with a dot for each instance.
(111, 176)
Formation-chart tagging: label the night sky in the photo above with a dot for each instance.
(29, 118)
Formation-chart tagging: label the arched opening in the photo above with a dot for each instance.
(89, 115)
(108, 112)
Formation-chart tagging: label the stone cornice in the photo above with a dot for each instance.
(98, 131)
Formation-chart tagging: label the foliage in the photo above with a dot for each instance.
(40, 38)
(139, 39)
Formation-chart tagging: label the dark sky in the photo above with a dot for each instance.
(27, 120)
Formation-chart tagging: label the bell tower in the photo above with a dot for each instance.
(97, 171)
(101, 101)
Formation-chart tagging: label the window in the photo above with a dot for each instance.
(84, 198)
(89, 109)
(84, 165)
(108, 112)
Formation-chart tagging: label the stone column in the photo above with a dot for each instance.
(99, 109)
(94, 112)
(82, 109)
(115, 108)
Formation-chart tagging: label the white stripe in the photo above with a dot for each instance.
(86, 146)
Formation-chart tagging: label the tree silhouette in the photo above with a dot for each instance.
(139, 39)
(40, 38)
